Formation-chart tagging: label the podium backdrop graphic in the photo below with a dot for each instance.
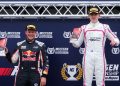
(65, 60)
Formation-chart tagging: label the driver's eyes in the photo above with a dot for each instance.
(93, 14)
(30, 32)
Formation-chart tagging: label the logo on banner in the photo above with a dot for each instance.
(3, 34)
(67, 34)
(81, 50)
(13, 35)
(71, 72)
(44, 35)
(50, 50)
(112, 72)
(57, 50)
(10, 34)
(115, 50)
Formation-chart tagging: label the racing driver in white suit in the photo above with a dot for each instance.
(94, 36)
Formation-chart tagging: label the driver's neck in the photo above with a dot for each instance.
(30, 41)
(94, 22)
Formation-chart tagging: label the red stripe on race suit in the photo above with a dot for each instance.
(5, 71)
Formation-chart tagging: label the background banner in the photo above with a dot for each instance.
(65, 60)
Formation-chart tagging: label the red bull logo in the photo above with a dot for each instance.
(29, 56)
(29, 53)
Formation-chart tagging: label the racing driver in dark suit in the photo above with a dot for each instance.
(32, 60)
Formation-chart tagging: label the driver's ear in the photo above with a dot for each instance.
(25, 32)
(99, 15)
(88, 16)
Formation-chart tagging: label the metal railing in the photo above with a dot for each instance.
(57, 9)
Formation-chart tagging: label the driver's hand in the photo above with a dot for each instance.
(76, 33)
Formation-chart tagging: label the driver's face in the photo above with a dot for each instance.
(30, 34)
(94, 17)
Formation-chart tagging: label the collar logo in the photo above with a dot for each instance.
(23, 47)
